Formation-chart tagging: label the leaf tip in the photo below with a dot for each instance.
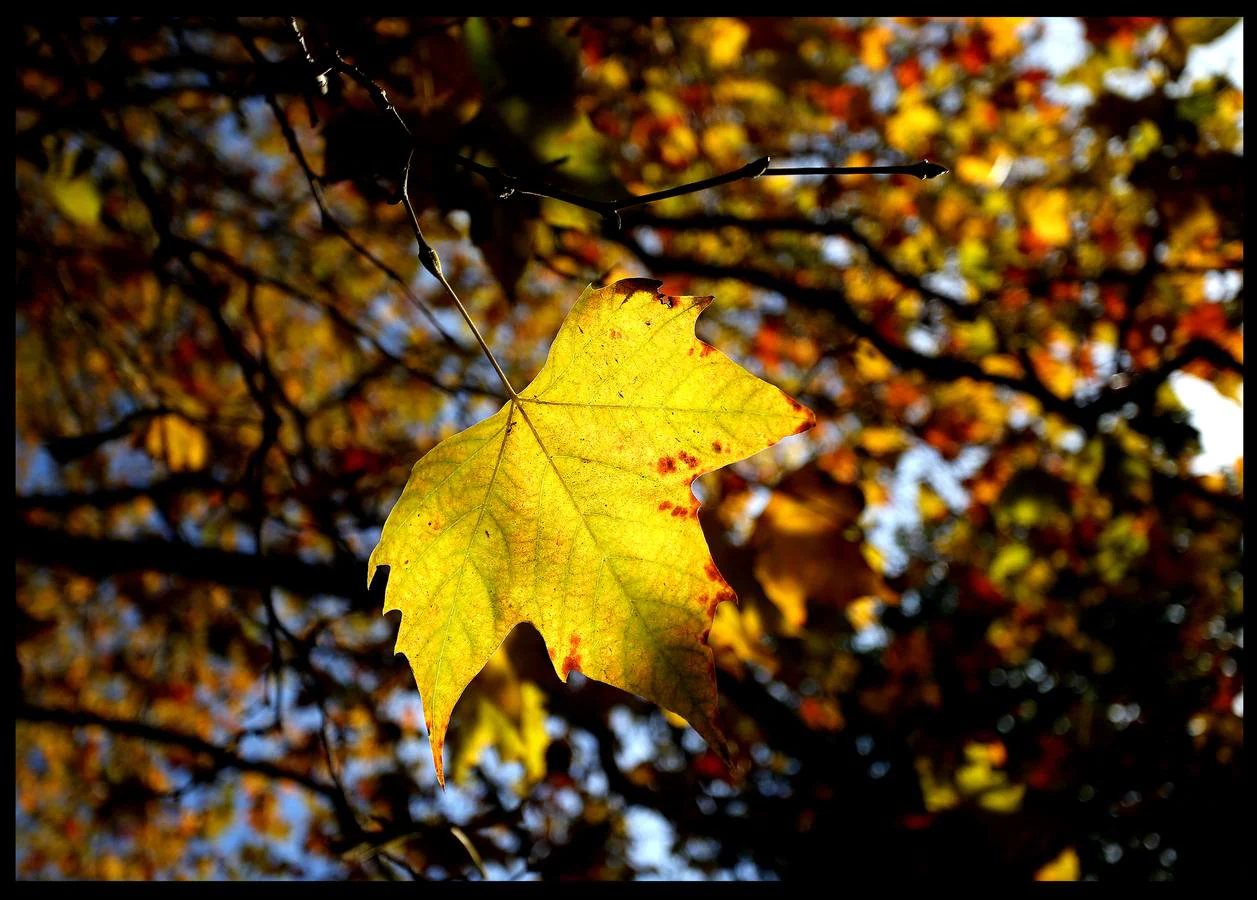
(808, 418)
(438, 758)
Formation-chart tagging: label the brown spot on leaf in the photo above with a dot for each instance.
(691, 461)
(666, 464)
(706, 349)
(616, 333)
(716, 446)
(680, 512)
(665, 505)
(551, 651)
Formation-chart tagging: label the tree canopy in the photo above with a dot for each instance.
(989, 617)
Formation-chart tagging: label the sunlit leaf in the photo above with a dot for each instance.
(571, 508)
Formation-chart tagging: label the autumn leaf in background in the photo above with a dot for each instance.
(571, 509)
(509, 715)
(808, 548)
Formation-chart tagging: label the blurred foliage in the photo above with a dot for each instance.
(991, 614)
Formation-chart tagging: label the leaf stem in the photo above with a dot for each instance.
(432, 263)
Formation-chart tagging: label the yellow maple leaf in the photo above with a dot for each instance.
(1065, 867)
(571, 508)
(914, 123)
(1047, 211)
(736, 638)
(806, 552)
(725, 143)
(880, 440)
(870, 363)
(183, 446)
(75, 196)
(873, 43)
(862, 612)
(978, 780)
(723, 39)
(511, 717)
(1004, 31)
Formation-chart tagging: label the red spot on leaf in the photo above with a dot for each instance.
(809, 417)
(572, 660)
(680, 512)
(551, 650)
(617, 333)
(711, 601)
(691, 461)
(712, 573)
(716, 446)
(706, 349)
(666, 464)
(665, 506)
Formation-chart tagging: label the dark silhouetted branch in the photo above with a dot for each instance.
(103, 557)
(222, 757)
(505, 185)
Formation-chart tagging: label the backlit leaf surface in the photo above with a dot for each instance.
(571, 508)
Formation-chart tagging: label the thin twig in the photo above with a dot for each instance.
(923, 170)
(432, 263)
(329, 221)
(507, 185)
